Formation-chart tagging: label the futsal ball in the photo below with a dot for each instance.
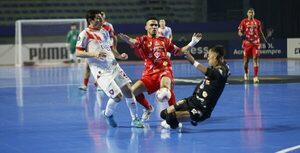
(163, 95)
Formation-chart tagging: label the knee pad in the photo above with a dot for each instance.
(163, 114)
(172, 120)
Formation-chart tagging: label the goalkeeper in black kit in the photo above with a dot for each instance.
(200, 105)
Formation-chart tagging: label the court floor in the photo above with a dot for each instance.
(42, 111)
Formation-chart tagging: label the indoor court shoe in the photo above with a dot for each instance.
(147, 113)
(255, 80)
(165, 125)
(110, 120)
(137, 123)
(83, 88)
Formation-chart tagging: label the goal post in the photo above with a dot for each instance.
(43, 41)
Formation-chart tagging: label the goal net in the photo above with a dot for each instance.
(43, 41)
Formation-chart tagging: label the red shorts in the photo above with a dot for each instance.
(152, 82)
(251, 49)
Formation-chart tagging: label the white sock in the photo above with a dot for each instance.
(131, 104)
(110, 107)
(71, 56)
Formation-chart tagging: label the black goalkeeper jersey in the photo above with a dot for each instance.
(208, 91)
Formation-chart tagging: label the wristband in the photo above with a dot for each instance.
(192, 43)
(196, 64)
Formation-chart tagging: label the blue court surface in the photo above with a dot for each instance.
(42, 111)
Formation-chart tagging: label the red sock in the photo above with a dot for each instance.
(255, 70)
(246, 69)
(142, 100)
(85, 82)
(172, 100)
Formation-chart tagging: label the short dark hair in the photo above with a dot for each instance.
(220, 50)
(91, 14)
(151, 18)
(251, 9)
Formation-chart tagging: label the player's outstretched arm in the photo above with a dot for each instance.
(127, 39)
(195, 39)
(82, 53)
(197, 65)
(117, 55)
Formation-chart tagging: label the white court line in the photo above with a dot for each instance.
(289, 149)
(39, 85)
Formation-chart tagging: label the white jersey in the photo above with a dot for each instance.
(107, 72)
(95, 40)
(112, 28)
(166, 32)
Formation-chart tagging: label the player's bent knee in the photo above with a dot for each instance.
(172, 120)
(163, 114)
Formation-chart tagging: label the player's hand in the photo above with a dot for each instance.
(123, 56)
(189, 57)
(195, 39)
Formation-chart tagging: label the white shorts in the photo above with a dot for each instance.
(111, 82)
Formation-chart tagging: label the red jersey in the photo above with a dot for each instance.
(154, 52)
(250, 29)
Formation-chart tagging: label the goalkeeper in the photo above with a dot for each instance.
(200, 105)
(71, 42)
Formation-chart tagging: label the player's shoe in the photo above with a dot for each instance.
(165, 125)
(83, 88)
(110, 120)
(137, 123)
(246, 76)
(255, 79)
(147, 113)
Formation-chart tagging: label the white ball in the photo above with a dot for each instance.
(163, 95)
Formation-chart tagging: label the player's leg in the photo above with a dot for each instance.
(138, 88)
(111, 106)
(132, 106)
(112, 90)
(72, 54)
(175, 114)
(123, 81)
(246, 57)
(166, 82)
(255, 54)
(86, 76)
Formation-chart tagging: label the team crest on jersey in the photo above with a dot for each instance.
(157, 54)
(111, 91)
